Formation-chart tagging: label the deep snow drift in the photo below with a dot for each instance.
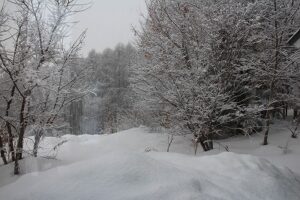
(131, 165)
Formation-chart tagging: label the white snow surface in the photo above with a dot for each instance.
(133, 165)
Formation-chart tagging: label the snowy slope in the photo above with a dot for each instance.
(120, 166)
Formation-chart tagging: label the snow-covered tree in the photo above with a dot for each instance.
(274, 74)
(35, 63)
(221, 51)
(176, 45)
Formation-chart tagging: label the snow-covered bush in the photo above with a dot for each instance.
(195, 71)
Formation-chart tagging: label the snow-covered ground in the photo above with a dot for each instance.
(134, 164)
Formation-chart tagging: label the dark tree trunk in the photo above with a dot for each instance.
(265, 142)
(19, 153)
(16, 167)
(2, 151)
(203, 146)
(206, 144)
(10, 141)
(37, 138)
(295, 113)
(19, 149)
(210, 144)
(8, 126)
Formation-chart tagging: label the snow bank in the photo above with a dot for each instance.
(117, 166)
(129, 176)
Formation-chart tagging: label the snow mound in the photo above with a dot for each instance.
(132, 175)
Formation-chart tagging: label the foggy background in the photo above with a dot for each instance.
(109, 22)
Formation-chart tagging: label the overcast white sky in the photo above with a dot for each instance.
(109, 22)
